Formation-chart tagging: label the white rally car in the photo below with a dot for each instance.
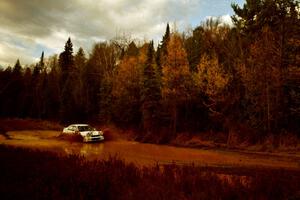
(88, 133)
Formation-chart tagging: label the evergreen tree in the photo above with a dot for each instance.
(26, 93)
(80, 59)
(162, 51)
(66, 61)
(256, 14)
(80, 65)
(151, 93)
(17, 68)
(132, 50)
(41, 63)
(165, 41)
(36, 90)
(194, 46)
(69, 77)
(53, 89)
(280, 16)
(16, 88)
(5, 92)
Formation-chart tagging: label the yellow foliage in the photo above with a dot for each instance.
(211, 78)
(176, 75)
(127, 80)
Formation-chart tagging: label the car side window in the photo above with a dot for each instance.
(75, 128)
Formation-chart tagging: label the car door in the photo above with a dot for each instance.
(75, 130)
(70, 129)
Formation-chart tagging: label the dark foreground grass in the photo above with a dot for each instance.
(27, 174)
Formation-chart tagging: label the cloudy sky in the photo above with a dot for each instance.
(28, 27)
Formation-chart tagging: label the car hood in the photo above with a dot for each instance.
(84, 133)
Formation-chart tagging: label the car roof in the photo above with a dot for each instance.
(79, 125)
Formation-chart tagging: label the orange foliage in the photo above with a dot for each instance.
(176, 75)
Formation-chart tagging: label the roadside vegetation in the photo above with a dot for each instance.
(16, 124)
(73, 177)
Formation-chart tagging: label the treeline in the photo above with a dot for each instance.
(215, 77)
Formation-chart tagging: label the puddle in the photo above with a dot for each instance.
(145, 154)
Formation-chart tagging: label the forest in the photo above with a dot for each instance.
(243, 78)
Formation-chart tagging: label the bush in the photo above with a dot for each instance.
(27, 174)
(28, 124)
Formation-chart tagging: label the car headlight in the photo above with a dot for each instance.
(100, 133)
(89, 134)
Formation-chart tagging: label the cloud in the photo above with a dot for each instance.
(224, 20)
(9, 55)
(13, 48)
(45, 25)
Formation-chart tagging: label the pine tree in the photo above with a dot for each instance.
(42, 64)
(151, 93)
(16, 88)
(162, 51)
(69, 77)
(280, 16)
(80, 59)
(5, 92)
(53, 89)
(80, 66)
(132, 50)
(26, 93)
(66, 61)
(17, 68)
(194, 46)
(165, 41)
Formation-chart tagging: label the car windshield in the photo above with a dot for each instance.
(85, 128)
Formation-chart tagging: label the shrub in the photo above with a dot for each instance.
(28, 174)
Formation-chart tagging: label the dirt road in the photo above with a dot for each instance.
(148, 154)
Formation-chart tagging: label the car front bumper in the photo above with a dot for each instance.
(93, 138)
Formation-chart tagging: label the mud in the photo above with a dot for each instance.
(148, 154)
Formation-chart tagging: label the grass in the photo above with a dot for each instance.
(28, 174)
(28, 124)
(285, 142)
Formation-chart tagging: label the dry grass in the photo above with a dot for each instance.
(286, 142)
(28, 124)
(44, 175)
(196, 141)
(280, 143)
